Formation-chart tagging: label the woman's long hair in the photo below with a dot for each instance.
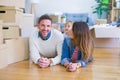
(82, 39)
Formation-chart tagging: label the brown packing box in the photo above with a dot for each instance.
(17, 3)
(11, 14)
(11, 31)
(3, 56)
(55, 18)
(18, 49)
(101, 21)
(1, 33)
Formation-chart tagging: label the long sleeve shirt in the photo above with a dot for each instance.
(67, 52)
(50, 48)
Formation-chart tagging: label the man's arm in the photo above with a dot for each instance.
(57, 59)
(34, 53)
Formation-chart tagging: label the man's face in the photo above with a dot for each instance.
(44, 27)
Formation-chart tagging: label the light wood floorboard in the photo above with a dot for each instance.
(106, 66)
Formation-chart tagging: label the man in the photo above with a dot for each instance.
(46, 43)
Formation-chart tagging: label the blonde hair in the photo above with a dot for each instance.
(68, 23)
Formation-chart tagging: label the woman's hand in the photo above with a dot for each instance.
(71, 67)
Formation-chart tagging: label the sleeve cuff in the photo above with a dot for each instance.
(65, 60)
(83, 63)
(51, 64)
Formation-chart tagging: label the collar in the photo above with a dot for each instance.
(40, 36)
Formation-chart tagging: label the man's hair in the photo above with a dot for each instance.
(45, 16)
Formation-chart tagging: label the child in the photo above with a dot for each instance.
(77, 48)
(68, 26)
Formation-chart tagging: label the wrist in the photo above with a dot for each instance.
(66, 64)
(50, 60)
(38, 60)
(78, 65)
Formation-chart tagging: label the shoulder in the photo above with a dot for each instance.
(67, 40)
(57, 33)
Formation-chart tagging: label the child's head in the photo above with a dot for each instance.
(81, 37)
(68, 27)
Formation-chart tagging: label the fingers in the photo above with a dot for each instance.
(43, 65)
(71, 67)
(44, 62)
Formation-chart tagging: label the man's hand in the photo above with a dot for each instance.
(43, 62)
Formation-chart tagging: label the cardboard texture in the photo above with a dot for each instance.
(55, 18)
(16, 3)
(1, 33)
(18, 49)
(3, 56)
(11, 32)
(11, 14)
(101, 21)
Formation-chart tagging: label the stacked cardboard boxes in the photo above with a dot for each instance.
(11, 31)
(3, 50)
(1, 34)
(16, 3)
(18, 49)
(13, 46)
(10, 14)
(3, 56)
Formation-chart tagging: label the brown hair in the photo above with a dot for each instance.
(82, 39)
(45, 16)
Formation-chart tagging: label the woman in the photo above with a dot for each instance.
(78, 48)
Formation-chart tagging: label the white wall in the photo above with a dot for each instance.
(68, 6)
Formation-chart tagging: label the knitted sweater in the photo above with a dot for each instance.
(51, 48)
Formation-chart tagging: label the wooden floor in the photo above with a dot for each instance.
(106, 66)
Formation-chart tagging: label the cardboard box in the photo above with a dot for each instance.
(16, 3)
(11, 14)
(27, 21)
(11, 32)
(101, 21)
(1, 33)
(55, 18)
(3, 56)
(18, 49)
